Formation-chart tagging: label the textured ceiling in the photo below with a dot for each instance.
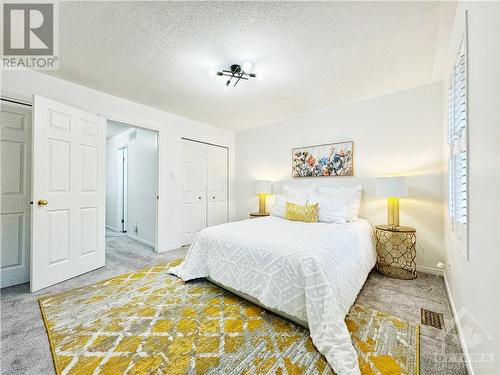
(310, 54)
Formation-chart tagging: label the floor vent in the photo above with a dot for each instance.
(432, 318)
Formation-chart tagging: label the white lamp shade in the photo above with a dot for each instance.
(392, 187)
(262, 187)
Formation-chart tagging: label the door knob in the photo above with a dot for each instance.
(42, 202)
(213, 197)
(199, 197)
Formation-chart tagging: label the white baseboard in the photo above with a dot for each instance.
(468, 363)
(429, 270)
(112, 228)
(170, 248)
(141, 240)
(437, 271)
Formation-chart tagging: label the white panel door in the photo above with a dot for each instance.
(68, 173)
(15, 152)
(216, 185)
(194, 210)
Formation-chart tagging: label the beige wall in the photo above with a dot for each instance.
(399, 133)
(475, 282)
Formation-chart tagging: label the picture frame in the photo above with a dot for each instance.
(329, 159)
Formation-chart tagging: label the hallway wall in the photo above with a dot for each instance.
(141, 184)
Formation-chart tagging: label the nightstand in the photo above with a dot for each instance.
(256, 215)
(396, 251)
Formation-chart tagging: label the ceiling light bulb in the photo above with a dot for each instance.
(212, 72)
(247, 67)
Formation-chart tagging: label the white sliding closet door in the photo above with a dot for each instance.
(204, 187)
(194, 190)
(216, 185)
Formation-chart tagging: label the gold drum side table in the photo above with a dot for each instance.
(396, 251)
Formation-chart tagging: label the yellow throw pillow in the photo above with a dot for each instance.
(296, 212)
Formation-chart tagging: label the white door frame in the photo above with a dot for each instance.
(157, 187)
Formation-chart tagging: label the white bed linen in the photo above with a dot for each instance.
(312, 271)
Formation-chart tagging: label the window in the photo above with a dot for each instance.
(458, 145)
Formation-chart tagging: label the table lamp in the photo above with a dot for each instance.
(392, 188)
(262, 187)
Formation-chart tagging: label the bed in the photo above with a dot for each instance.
(308, 272)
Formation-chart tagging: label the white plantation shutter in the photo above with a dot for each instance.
(458, 145)
(451, 192)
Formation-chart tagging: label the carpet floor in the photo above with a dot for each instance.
(25, 348)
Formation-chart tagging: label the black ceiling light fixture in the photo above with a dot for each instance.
(235, 73)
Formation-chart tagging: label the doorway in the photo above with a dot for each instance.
(131, 183)
(37, 202)
(123, 155)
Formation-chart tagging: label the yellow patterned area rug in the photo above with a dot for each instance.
(150, 322)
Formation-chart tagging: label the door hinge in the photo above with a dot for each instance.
(157, 197)
(123, 221)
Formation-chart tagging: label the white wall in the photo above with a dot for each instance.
(475, 283)
(394, 134)
(171, 128)
(113, 178)
(142, 186)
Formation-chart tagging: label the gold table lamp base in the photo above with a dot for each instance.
(393, 212)
(262, 204)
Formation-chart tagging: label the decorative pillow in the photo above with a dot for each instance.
(279, 205)
(332, 209)
(299, 194)
(353, 196)
(296, 212)
(350, 195)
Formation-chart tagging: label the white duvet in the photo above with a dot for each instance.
(312, 271)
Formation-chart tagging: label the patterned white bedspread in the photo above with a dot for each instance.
(312, 271)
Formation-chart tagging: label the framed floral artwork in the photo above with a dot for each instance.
(333, 159)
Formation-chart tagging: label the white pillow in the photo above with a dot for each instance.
(350, 195)
(299, 194)
(332, 209)
(279, 205)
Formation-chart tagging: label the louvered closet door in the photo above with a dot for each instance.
(216, 185)
(194, 210)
